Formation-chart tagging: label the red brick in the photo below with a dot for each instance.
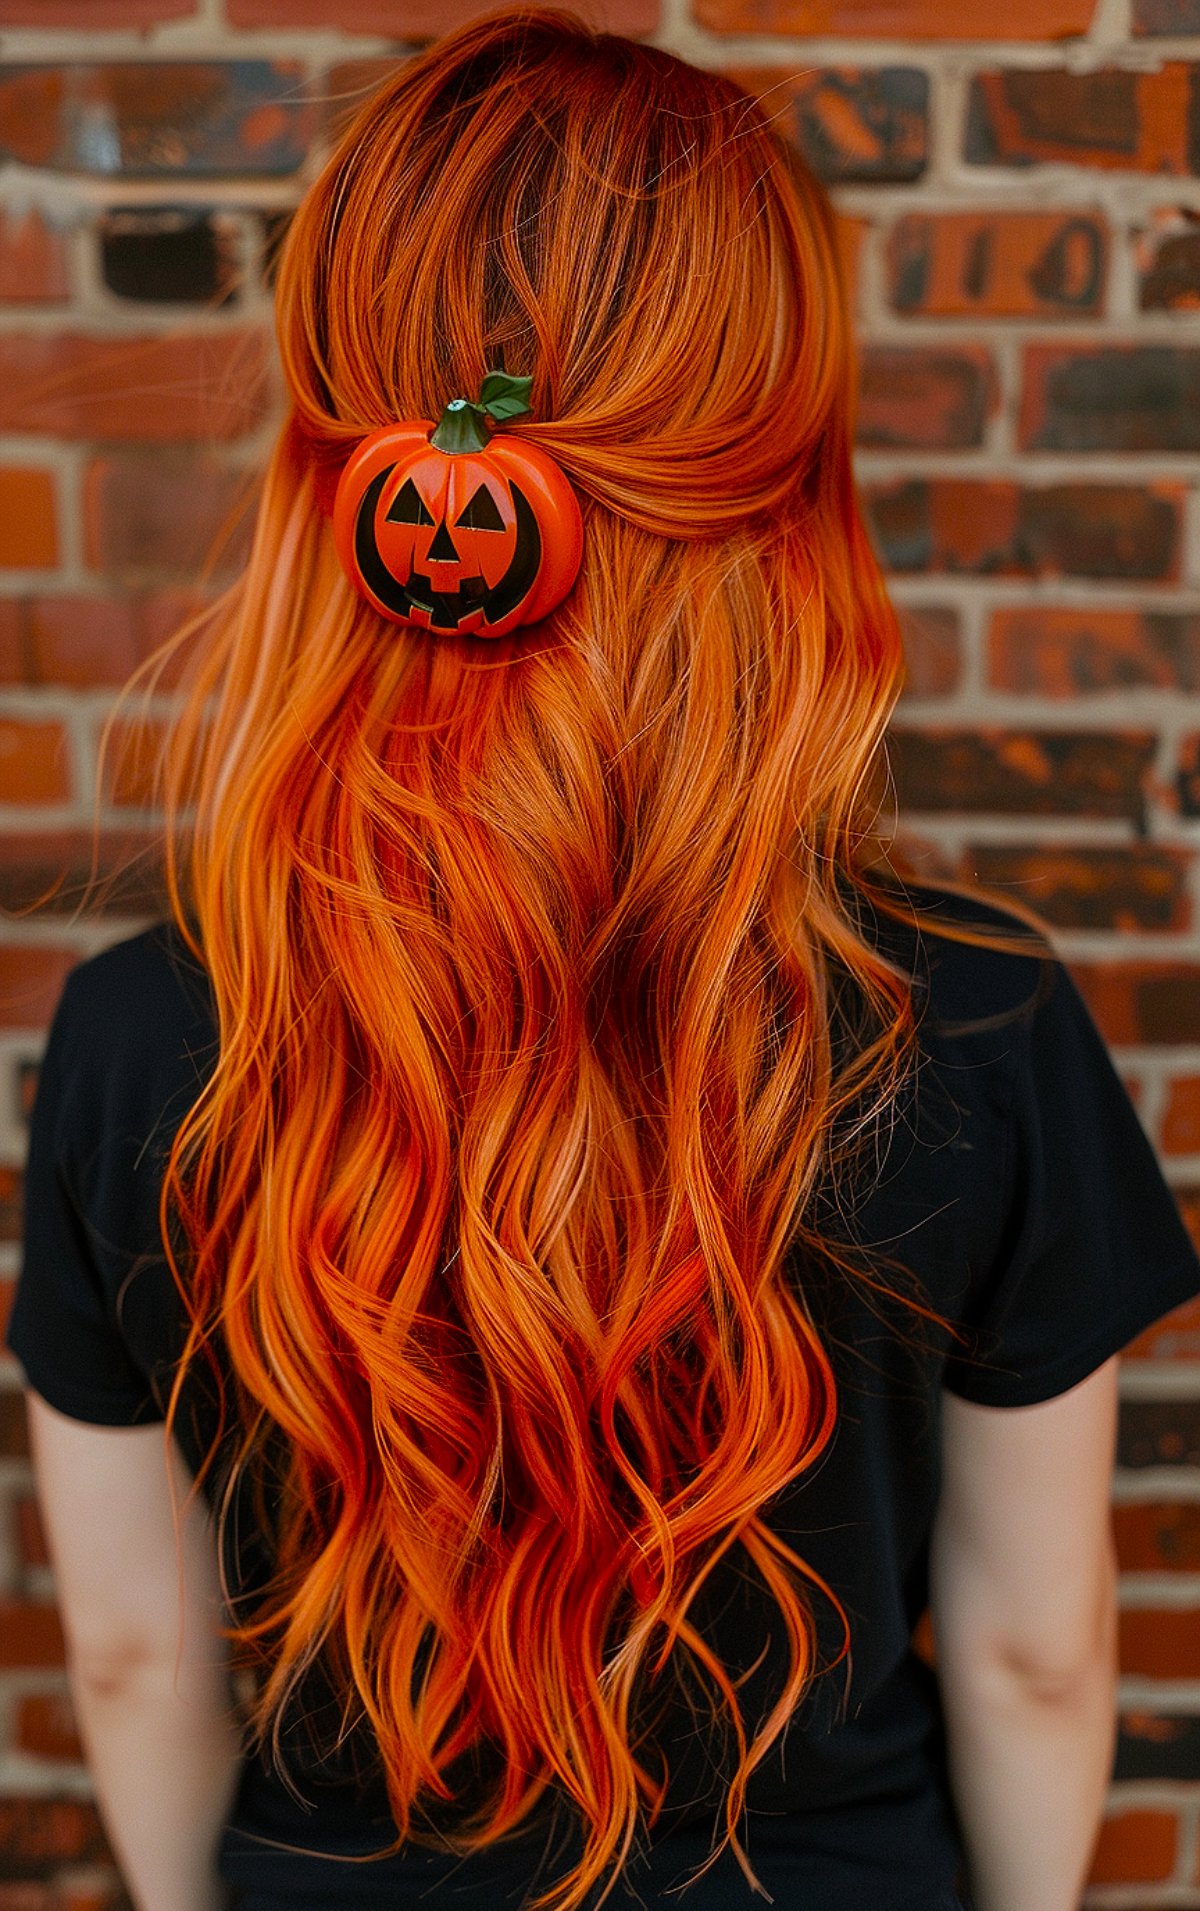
(31, 1534)
(89, 14)
(1043, 772)
(1137, 886)
(160, 117)
(925, 397)
(30, 1635)
(1167, 255)
(31, 981)
(34, 762)
(1166, 16)
(13, 662)
(147, 514)
(1187, 776)
(417, 19)
(82, 641)
(1061, 652)
(1112, 117)
(1181, 1118)
(159, 389)
(1157, 1003)
(131, 752)
(994, 526)
(998, 264)
(1177, 1335)
(51, 869)
(46, 1726)
(33, 258)
(1135, 1847)
(1110, 398)
(850, 123)
(850, 234)
(28, 519)
(1159, 1644)
(897, 19)
(932, 649)
(37, 1834)
(1158, 1536)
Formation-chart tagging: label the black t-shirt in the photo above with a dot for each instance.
(1015, 1181)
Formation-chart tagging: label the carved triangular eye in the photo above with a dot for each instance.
(481, 513)
(406, 507)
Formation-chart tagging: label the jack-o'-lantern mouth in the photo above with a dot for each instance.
(415, 598)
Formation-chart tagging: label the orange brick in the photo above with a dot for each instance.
(159, 389)
(1157, 1536)
(30, 1635)
(82, 641)
(33, 258)
(34, 762)
(1181, 1121)
(31, 1534)
(1135, 1847)
(46, 1726)
(31, 981)
(1159, 1644)
(28, 521)
(898, 19)
(998, 264)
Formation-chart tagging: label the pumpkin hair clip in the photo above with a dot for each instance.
(454, 527)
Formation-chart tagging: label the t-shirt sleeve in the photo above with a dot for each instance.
(61, 1327)
(1091, 1248)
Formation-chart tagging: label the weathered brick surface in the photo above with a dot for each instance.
(1132, 1001)
(33, 260)
(28, 519)
(928, 398)
(1112, 117)
(1166, 16)
(152, 388)
(1110, 398)
(894, 19)
(1060, 652)
(416, 19)
(1063, 772)
(932, 649)
(155, 118)
(998, 264)
(146, 514)
(850, 123)
(1139, 886)
(1000, 527)
(1168, 262)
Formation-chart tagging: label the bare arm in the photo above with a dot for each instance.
(1023, 1605)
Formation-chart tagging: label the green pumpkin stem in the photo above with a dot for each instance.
(463, 426)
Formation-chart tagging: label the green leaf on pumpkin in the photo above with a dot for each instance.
(503, 396)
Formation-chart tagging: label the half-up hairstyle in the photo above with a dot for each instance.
(529, 957)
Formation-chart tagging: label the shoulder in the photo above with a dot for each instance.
(967, 987)
(142, 980)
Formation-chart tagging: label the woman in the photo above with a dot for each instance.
(608, 1251)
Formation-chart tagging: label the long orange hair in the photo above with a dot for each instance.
(529, 956)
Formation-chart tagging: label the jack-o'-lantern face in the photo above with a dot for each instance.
(457, 529)
(444, 543)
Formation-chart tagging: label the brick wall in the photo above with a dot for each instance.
(1023, 222)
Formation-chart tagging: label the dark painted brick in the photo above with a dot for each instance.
(1056, 651)
(1170, 274)
(1141, 1001)
(174, 255)
(1043, 772)
(1187, 775)
(932, 649)
(1138, 886)
(1166, 16)
(1112, 117)
(37, 1835)
(995, 527)
(1110, 398)
(850, 123)
(1158, 1433)
(147, 119)
(925, 397)
(1157, 1745)
(998, 264)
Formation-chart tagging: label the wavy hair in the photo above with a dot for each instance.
(530, 958)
